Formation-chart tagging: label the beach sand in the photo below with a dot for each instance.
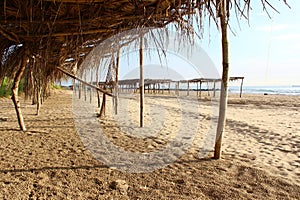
(261, 150)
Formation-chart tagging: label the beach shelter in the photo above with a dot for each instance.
(40, 40)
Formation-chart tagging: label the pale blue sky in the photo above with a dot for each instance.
(266, 51)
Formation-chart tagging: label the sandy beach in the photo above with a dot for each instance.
(261, 149)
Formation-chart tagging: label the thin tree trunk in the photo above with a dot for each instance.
(15, 96)
(224, 85)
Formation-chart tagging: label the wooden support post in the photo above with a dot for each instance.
(225, 80)
(178, 86)
(98, 99)
(102, 110)
(207, 86)
(241, 88)
(200, 88)
(38, 97)
(197, 89)
(15, 90)
(79, 90)
(91, 82)
(169, 87)
(188, 88)
(141, 81)
(117, 82)
(84, 86)
(74, 86)
(97, 84)
(214, 88)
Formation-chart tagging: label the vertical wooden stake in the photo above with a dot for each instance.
(241, 88)
(91, 92)
(102, 110)
(214, 88)
(38, 96)
(141, 81)
(85, 88)
(200, 88)
(79, 90)
(117, 82)
(197, 89)
(188, 92)
(207, 86)
(97, 84)
(225, 80)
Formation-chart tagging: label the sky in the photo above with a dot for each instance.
(265, 51)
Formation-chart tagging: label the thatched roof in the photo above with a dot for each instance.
(58, 32)
(62, 29)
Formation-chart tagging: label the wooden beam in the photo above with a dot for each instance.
(85, 83)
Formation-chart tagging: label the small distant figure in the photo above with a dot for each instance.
(265, 93)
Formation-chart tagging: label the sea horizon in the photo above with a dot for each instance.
(268, 89)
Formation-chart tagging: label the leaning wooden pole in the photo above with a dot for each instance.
(15, 96)
(141, 86)
(225, 79)
(84, 82)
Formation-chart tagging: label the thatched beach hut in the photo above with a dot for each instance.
(38, 37)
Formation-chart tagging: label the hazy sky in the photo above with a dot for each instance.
(266, 51)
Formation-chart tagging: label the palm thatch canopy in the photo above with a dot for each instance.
(59, 32)
(37, 36)
(64, 31)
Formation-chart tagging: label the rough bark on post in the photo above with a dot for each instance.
(225, 80)
(15, 96)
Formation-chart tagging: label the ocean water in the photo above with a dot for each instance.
(285, 90)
